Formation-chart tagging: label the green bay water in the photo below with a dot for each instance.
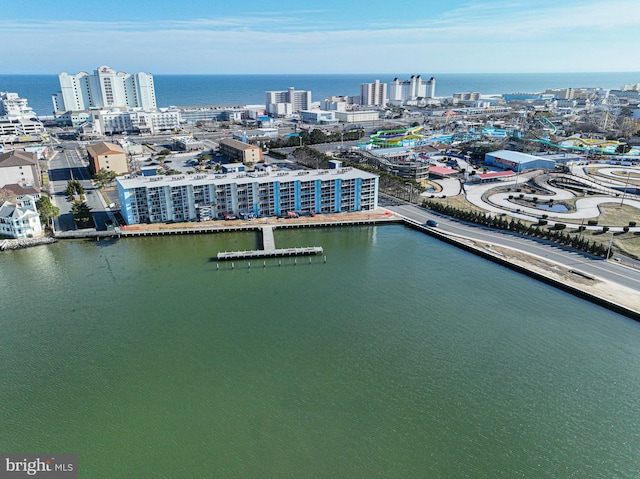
(400, 357)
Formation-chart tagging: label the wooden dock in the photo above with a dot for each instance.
(269, 249)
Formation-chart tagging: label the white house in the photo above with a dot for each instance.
(20, 220)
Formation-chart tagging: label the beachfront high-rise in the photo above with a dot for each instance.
(105, 88)
(287, 102)
(157, 199)
(12, 106)
(373, 94)
(403, 91)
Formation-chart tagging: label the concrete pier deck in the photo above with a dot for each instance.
(268, 241)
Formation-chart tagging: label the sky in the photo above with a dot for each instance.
(328, 36)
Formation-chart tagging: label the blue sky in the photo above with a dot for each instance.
(331, 36)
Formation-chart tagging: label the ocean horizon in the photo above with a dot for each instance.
(233, 89)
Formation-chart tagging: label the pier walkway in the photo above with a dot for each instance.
(268, 241)
(269, 249)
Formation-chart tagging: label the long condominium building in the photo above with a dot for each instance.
(104, 88)
(401, 91)
(159, 199)
(373, 94)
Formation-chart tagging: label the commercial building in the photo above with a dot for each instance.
(320, 117)
(287, 102)
(20, 220)
(357, 116)
(105, 88)
(74, 118)
(411, 90)
(238, 151)
(339, 103)
(108, 156)
(373, 94)
(518, 162)
(135, 120)
(190, 197)
(20, 168)
(187, 143)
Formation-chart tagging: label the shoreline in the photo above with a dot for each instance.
(610, 295)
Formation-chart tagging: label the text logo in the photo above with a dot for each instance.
(46, 466)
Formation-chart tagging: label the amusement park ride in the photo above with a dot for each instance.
(539, 130)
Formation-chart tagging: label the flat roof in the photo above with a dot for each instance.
(442, 170)
(237, 144)
(515, 156)
(348, 173)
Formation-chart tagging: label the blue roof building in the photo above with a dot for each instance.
(518, 162)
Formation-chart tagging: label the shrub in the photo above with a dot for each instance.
(592, 222)
(560, 226)
(625, 229)
(542, 222)
(632, 223)
(605, 229)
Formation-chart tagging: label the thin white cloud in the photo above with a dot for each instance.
(480, 36)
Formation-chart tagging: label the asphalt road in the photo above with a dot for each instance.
(608, 270)
(68, 165)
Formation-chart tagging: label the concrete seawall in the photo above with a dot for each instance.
(492, 256)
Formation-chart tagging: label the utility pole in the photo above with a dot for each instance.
(625, 187)
(610, 244)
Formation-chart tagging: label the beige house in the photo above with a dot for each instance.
(109, 156)
(238, 151)
(19, 167)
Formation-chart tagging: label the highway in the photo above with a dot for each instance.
(607, 270)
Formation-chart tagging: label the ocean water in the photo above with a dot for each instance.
(399, 357)
(183, 90)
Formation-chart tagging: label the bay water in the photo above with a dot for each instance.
(399, 357)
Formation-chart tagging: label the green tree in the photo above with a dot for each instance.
(104, 177)
(47, 210)
(317, 136)
(623, 148)
(81, 212)
(74, 188)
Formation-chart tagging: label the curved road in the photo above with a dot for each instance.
(608, 270)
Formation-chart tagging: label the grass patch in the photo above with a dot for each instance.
(615, 214)
(458, 201)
